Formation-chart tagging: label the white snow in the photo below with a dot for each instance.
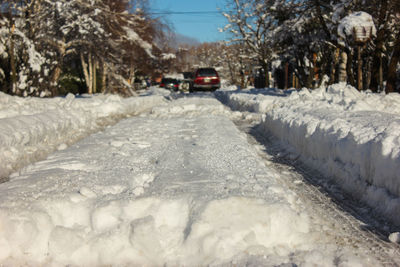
(394, 237)
(180, 185)
(134, 37)
(350, 136)
(31, 128)
(356, 20)
(168, 56)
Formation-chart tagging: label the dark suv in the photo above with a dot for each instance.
(205, 79)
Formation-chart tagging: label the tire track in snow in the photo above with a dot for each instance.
(356, 225)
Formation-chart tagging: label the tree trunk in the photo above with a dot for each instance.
(300, 69)
(86, 73)
(54, 79)
(266, 78)
(380, 72)
(94, 76)
(376, 78)
(103, 77)
(286, 76)
(359, 69)
(377, 67)
(242, 81)
(367, 73)
(56, 75)
(264, 65)
(316, 79)
(13, 87)
(336, 57)
(132, 74)
(233, 80)
(343, 67)
(392, 70)
(310, 77)
(90, 65)
(349, 68)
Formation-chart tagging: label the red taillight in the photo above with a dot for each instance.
(215, 80)
(176, 85)
(207, 80)
(162, 85)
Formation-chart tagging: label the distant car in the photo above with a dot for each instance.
(170, 83)
(205, 79)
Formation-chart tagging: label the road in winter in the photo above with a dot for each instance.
(181, 185)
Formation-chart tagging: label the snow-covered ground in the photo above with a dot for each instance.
(178, 184)
(31, 128)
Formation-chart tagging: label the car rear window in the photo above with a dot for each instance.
(206, 72)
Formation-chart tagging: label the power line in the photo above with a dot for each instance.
(184, 12)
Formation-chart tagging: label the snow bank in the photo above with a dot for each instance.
(348, 135)
(252, 100)
(150, 231)
(30, 128)
(178, 186)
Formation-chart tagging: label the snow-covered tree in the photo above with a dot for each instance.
(250, 22)
(97, 33)
(304, 35)
(21, 63)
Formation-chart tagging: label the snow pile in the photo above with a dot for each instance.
(233, 225)
(151, 231)
(30, 128)
(252, 100)
(348, 135)
(164, 189)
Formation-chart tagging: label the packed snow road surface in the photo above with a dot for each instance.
(178, 186)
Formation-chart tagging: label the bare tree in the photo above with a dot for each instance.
(249, 23)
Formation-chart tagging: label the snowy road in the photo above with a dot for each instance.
(179, 186)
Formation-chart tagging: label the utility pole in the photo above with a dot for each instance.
(361, 35)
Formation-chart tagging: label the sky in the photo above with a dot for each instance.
(202, 26)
